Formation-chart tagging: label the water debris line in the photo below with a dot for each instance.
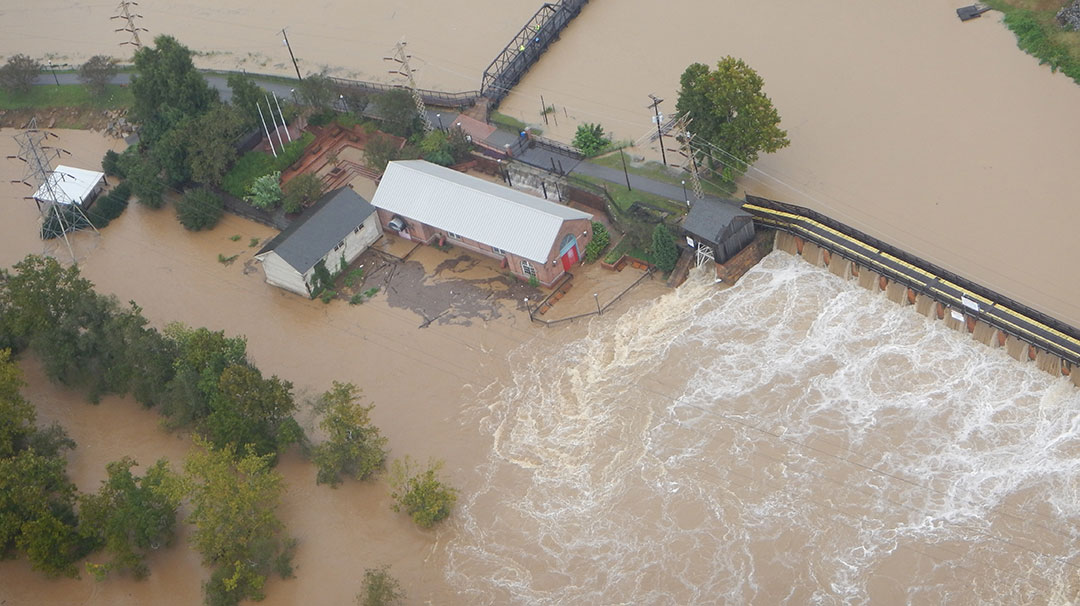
(695, 448)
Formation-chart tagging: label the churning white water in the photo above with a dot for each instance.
(794, 440)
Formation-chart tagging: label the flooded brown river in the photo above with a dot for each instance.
(791, 440)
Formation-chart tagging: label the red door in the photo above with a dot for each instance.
(569, 258)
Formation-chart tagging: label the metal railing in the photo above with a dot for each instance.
(430, 97)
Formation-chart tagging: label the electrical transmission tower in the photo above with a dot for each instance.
(129, 17)
(60, 214)
(686, 150)
(403, 70)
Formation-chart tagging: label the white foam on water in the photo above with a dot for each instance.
(791, 440)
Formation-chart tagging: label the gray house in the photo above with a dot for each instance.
(717, 228)
(334, 231)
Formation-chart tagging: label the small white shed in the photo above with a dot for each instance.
(67, 184)
(339, 227)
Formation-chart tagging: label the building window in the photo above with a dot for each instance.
(527, 268)
(498, 251)
(356, 229)
(339, 245)
(453, 236)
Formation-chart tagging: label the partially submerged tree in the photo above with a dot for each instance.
(590, 139)
(252, 413)
(130, 516)
(732, 119)
(234, 499)
(96, 73)
(420, 493)
(200, 208)
(354, 447)
(19, 73)
(146, 185)
(380, 589)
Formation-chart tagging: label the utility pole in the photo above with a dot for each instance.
(659, 127)
(403, 69)
(129, 17)
(686, 150)
(285, 39)
(40, 176)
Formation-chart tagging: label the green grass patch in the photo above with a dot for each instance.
(255, 164)
(657, 172)
(1039, 34)
(68, 95)
(510, 123)
(624, 198)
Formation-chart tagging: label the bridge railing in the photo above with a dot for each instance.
(526, 47)
(430, 97)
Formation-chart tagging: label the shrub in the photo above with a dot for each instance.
(255, 164)
(199, 209)
(109, 206)
(380, 589)
(110, 164)
(534, 281)
(420, 493)
(18, 74)
(664, 251)
(265, 192)
(600, 240)
(590, 139)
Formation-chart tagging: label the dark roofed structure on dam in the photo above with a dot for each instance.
(717, 229)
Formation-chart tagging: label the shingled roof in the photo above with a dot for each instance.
(319, 229)
(709, 218)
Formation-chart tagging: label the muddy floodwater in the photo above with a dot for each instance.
(790, 440)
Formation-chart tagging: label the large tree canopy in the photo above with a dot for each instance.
(165, 78)
(729, 110)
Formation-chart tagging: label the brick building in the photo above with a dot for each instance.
(422, 201)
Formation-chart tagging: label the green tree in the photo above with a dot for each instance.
(380, 589)
(381, 150)
(199, 209)
(110, 164)
(318, 91)
(729, 111)
(210, 143)
(250, 411)
(19, 73)
(398, 111)
(354, 447)
(37, 515)
(201, 357)
(246, 96)
(436, 148)
(265, 191)
(234, 500)
(38, 295)
(420, 493)
(664, 251)
(166, 79)
(146, 183)
(130, 516)
(170, 154)
(300, 191)
(16, 414)
(590, 139)
(96, 73)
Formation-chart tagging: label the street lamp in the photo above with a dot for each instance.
(596, 297)
(53, 70)
(439, 118)
(684, 195)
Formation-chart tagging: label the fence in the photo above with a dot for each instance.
(549, 323)
(430, 97)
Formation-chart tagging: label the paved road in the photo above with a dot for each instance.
(215, 80)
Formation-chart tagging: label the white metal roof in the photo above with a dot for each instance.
(486, 212)
(70, 184)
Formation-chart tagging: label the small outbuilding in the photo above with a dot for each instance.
(533, 237)
(717, 229)
(70, 185)
(332, 232)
